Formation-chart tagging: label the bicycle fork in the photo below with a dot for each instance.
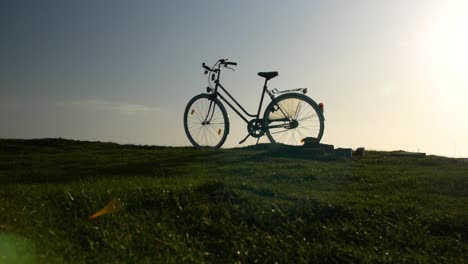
(208, 120)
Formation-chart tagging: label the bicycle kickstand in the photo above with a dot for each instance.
(242, 141)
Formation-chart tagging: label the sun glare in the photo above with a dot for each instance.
(448, 42)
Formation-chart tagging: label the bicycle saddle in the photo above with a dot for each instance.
(268, 75)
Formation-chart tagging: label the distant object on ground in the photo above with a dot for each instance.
(312, 145)
(309, 141)
(346, 153)
(402, 153)
(359, 152)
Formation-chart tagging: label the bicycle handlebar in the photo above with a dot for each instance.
(225, 62)
(222, 62)
(206, 67)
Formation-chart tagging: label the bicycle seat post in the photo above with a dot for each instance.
(267, 76)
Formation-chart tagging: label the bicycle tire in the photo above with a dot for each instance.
(298, 107)
(206, 136)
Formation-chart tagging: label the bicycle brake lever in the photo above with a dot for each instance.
(230, 68)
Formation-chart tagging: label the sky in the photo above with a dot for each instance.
(393, 75)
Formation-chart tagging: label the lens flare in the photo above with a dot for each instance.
(16, 249)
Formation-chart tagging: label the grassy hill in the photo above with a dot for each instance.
(255, 204)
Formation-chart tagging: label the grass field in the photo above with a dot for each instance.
(248, 205)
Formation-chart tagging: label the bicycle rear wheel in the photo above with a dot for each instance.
(291, 118)
(206, 122)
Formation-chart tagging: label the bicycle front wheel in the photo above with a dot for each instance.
(291, 118)
(206, 122)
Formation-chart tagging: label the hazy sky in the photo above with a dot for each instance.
(392, 74)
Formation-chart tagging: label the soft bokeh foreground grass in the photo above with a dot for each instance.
(252, 205)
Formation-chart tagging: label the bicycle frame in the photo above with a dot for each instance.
(257, 116)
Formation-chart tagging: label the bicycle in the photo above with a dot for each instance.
(291, 118)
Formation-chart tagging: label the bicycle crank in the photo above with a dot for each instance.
(255, 129)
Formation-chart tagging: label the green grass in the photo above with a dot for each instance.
(257, 205)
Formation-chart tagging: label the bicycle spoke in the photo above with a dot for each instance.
(195, 129)
(205, 139)
(293, 138)
(201, 136)
(308, 118)
(209, 132)
(302, 136)
(281, 137)
(298, 109)
(281, 131)
(196, 132)
(307, 129)
(310, 112)
(306, 109)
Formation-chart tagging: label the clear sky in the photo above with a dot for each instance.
(392, 74)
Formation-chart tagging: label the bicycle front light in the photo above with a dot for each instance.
(209, 90)
(322, 107)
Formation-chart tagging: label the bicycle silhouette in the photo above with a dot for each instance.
(291, 118)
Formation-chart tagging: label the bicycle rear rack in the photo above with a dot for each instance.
(300, 90)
